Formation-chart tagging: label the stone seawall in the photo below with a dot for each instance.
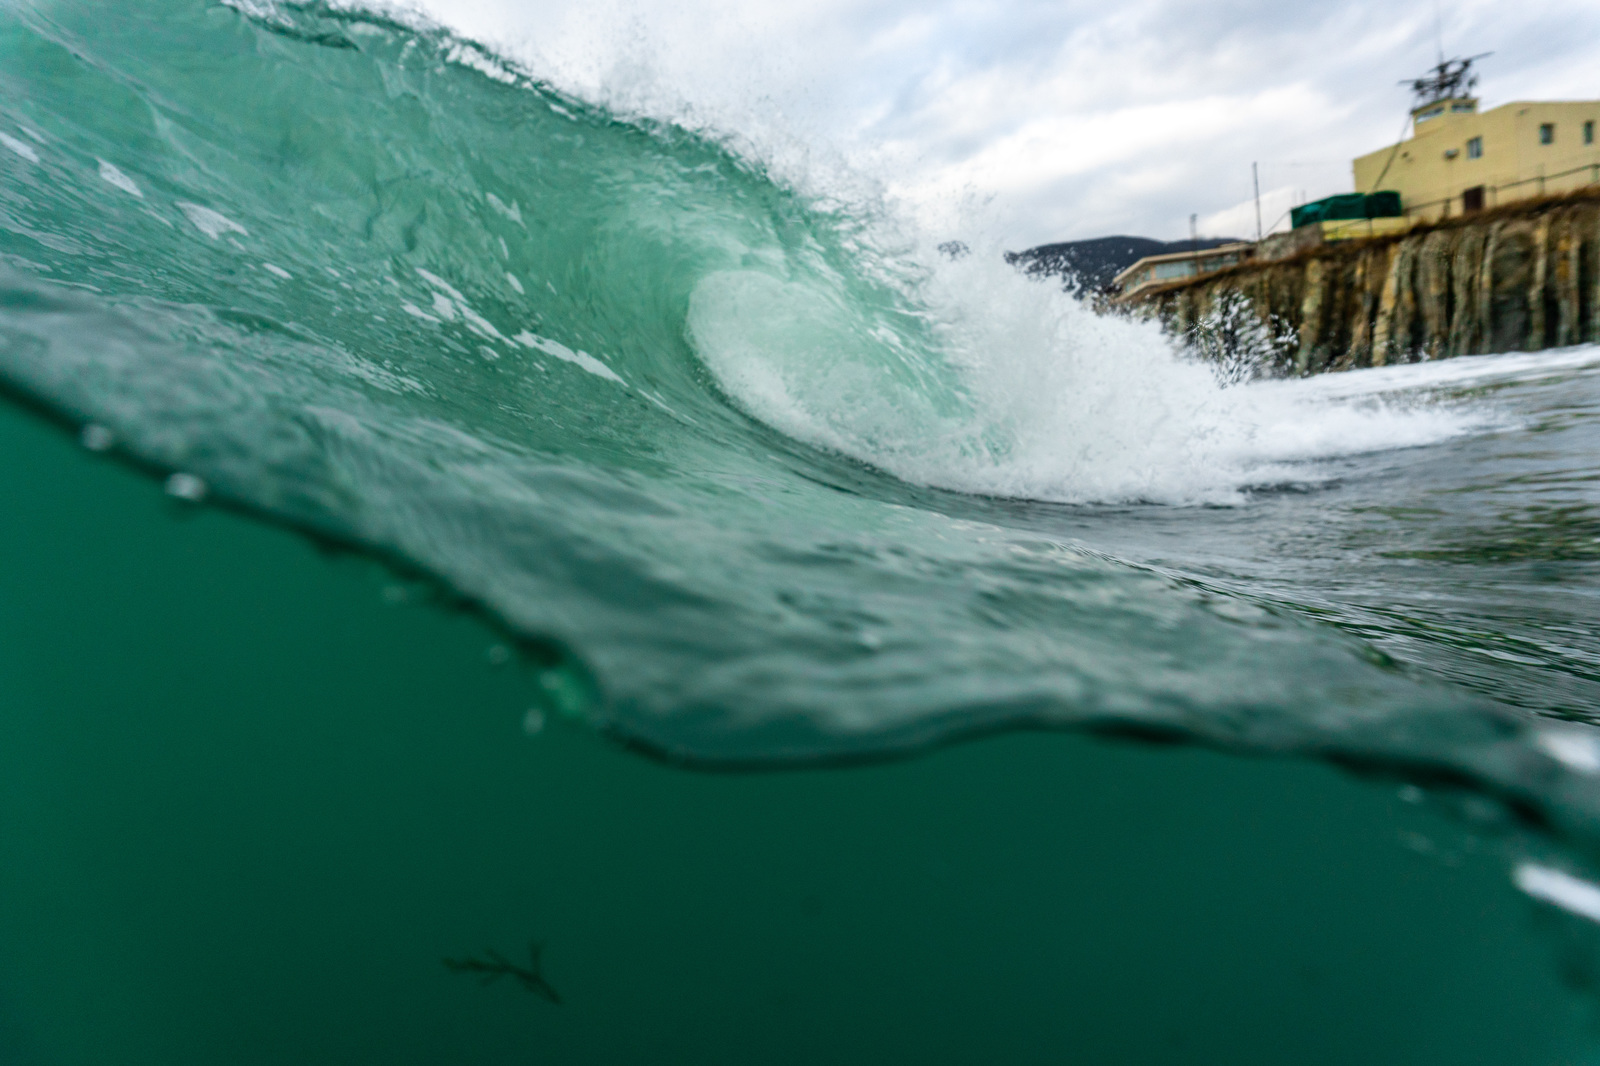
(1520, 278)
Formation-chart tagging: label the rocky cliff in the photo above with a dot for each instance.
(1521, 278)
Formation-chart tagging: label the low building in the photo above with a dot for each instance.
(1459, 159)
(1179, 266)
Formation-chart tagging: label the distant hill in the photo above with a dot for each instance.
(1089, 266)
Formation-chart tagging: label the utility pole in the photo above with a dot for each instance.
(1255, 176)
(1194, 228)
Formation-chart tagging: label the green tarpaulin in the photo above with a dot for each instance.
(1346, 206)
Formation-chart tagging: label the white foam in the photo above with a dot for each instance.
(20, 148)
(113, 176)
(478, 324)
(568, 355)
(513, 210)
(212, 223)
(471, 55)
(443, 307)
(1029, 394)
(439, 283)
(1467, 371)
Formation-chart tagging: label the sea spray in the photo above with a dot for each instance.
(1042, 398)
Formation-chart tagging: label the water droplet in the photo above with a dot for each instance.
(186, 487)
(533, 722)
(498, 655)
(564, 692)
(96, 438)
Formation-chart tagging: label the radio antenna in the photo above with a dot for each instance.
(1450, 79)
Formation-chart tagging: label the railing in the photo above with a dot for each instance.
(1491, 191)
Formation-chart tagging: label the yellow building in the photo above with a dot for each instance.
(1459, 159)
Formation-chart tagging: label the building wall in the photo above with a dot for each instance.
(1514, 165)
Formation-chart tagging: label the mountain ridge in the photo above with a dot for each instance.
(1090, 265)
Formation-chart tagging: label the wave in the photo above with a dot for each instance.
(1042, 399)
(753, 482)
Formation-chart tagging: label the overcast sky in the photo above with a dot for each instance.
(1049, 120)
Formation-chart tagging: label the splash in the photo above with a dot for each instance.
(1033, 395)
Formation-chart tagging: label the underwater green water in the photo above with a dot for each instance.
(444, 516)
(250, 799)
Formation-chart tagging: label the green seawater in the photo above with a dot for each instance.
(251, 797)
(449, 521)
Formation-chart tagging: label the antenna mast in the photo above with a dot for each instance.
(1446, 81)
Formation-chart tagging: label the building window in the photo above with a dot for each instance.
(1472, 200)
(1588, 132)
(1547, 133)
(1475, 148)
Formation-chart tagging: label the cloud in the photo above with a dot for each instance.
(1240, 219)
(1068, 118)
